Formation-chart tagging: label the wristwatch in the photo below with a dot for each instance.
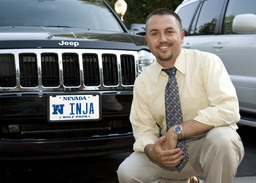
(178, 129)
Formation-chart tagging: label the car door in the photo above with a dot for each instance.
(238, 53)
(199, 20)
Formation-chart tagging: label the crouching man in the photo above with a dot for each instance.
(184, 113)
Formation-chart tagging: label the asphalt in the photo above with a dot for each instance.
(245, 179)
(251, 179)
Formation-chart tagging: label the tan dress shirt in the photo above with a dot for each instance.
(207, 95)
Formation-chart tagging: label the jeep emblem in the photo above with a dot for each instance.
(69, 43)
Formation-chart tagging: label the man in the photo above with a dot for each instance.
(207, 122)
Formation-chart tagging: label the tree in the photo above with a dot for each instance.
(138, 10)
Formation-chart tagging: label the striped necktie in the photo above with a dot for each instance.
(173, 111)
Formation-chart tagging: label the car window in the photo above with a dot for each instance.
(206, 23)
(186, 15)
(236, 7)
(93, 15)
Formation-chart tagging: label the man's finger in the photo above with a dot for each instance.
(173, 158)
(173, 151)
(160, 141)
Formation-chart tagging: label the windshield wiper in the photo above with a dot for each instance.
(60, 26)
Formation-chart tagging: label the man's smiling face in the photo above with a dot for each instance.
(164, 38)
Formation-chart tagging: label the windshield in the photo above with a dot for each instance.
(88, 14)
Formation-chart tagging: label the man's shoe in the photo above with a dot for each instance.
(194, 180)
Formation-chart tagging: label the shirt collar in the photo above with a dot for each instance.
(180, 63)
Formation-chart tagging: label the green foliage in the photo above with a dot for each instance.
(228, 21)
(207, 28)
(138, 10)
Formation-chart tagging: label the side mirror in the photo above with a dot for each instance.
(138, 29)
(244, 24)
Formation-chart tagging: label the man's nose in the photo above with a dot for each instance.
(163, 38)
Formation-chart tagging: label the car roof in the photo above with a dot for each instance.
(189, 1)
(184, 3)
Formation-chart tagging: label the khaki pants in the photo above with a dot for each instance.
(215, 154)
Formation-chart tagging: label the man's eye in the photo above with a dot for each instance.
(153, 34)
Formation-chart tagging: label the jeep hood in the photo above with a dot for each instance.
(61, 37)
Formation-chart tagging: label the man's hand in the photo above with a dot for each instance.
(164, 150)
(167, 157)
(171, 140)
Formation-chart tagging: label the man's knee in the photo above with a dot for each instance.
(136, 168)
(128, 173)
(123, 173)
(128, 170)
(224, 141)
(222, 137)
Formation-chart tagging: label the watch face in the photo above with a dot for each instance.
(177, 129)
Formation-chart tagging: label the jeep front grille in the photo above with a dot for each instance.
(50, 69)
(79, 69)
(110, 73)
(28, 70)
(127, 65)
(91, 70)
(71, 69)
(7, 70)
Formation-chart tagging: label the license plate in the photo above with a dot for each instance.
(74, 107)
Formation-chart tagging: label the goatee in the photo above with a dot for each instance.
(166, 58)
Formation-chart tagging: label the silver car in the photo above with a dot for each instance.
(226, 28)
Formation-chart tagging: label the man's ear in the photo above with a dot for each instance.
(182, 36)
(146, 39)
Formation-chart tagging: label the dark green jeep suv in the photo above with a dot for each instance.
(67, 69)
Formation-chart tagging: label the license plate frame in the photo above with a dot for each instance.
(74, 107)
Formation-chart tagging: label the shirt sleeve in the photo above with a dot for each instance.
(223, 104)
(145, 129)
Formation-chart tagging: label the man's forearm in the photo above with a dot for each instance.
(192, 128)
(189, 129)
(148, 150)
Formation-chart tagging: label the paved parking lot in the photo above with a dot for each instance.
(101, 169)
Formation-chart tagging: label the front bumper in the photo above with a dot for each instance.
(26, 149)
(27, 134)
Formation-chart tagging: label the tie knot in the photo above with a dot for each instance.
(171, 71)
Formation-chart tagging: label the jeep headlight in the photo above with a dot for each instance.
(145, 59)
